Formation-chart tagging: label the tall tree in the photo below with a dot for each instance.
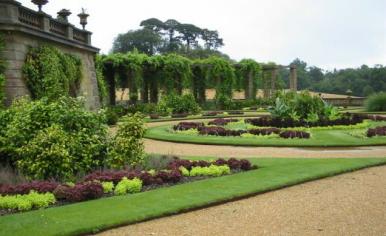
(211, 39)
(144, 40)
(189, 34)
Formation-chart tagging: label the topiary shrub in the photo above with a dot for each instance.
(376, 102)
(75, 134)
(127, 148)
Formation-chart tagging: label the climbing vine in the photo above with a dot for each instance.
(102, 85)
(129, 71)
(222, 75)
(51, 73)
(176, 73)
(248, 77)
(2, 68)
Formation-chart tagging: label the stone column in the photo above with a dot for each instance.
(44, 21)
(293, 78)
(273, 81)
(251, 87)
(70, 31)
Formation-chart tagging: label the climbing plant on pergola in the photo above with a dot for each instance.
(172, 73)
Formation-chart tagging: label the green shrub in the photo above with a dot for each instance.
(174, 104)
(302, 106)
(376, 102)
(108, 187)
(50, 73)
(184, 171)
(47, 155)
(212, 170)
(83, 132)
(27, 202)
(128, 186)
(127, 148)
(112, 116)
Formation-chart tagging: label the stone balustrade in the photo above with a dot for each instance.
(12, 12)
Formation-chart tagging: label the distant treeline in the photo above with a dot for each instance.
(361, 81)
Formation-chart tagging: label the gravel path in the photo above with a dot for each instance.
(186, 149)
(349, 204)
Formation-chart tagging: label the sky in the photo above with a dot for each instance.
(325, 33)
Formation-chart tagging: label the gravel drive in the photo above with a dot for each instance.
(348, 204)
(186, 149)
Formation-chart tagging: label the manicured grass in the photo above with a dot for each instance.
(319, 138)
(92, 216)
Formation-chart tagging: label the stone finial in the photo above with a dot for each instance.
(63, 15)
(40, 3)
(83, 18)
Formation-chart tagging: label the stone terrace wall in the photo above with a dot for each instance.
(23, 28)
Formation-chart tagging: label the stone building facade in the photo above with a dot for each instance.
(23, 28)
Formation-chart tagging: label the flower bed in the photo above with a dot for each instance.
(40, 194)
(221, 131)
(267, 121)
(222, 121)
(188, 125)
(377, 131)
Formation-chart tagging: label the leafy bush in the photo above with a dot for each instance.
(127, 148)
(222, 121)
(50, 73)
(108, 187)
(47, 155)
(80, 192)
(173, 176)
(266, 131)
(219, 131)
(174, 104)
(184, 171)
(267, 121)
(376, 102)
(294, 134)
(27, 202)
(128, 186)
(23, 128)
(212, 170)
(377, 131)
(302, 106)
(112, 116)
(187, 125)
(37, 186)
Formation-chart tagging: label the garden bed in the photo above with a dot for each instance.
(242, 133)
(99, 184)
(93, 216)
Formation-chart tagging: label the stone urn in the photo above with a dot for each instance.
(63, 15)
(40, 3)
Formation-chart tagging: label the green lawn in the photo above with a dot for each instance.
(93, 216)
(319, 138)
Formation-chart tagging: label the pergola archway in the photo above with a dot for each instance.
(269, 84)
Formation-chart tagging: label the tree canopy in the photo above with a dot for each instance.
(171, 36)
